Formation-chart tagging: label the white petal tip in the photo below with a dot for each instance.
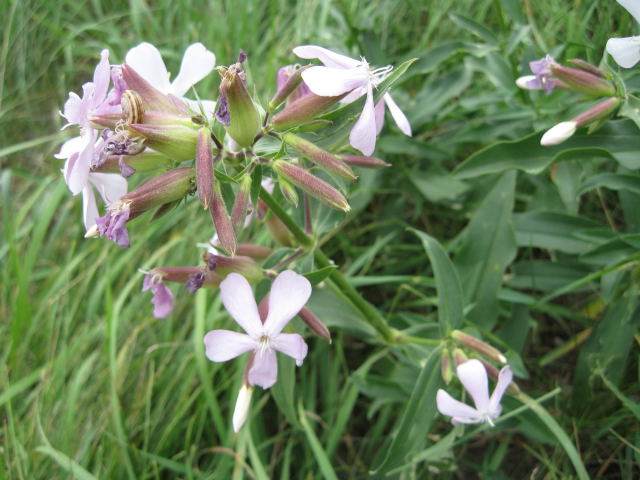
(92, 232)
(526, 82)
(558, 133)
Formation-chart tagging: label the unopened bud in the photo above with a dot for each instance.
(236, 110)
(241, 204)
(581, 81)
(290, 85)
(598, 113)
(365, 162)
(184, 274)
(302, 110)
(479, 346)
(311, 184)
(558, 133)
(257, 252)
(166, 188)
(204, 168)
(246, 266)
(288, 191)
(175, 141)
(314, 323)
(459, 357)
(152, 98)
(241, 410)
(222, 222)
(279, 231)
(319, 156)
(446, 370)
(145, 161)
(582, 65)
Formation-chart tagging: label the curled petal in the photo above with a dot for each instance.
(223, 345)
(77, 172)
(625, 51)
(397, 114)
(111, 186)
(449, 406)
(162, 299)
(293, 345)
(473, 376)
(71, 146)
(331, 82)
(101, 78)
(289, 293)
(363, 134)
(74, 110)
(633, 7)
(264, 371)
(197, 63)
(146, 60)
(326, 56)
(505, 377)
(238, 299)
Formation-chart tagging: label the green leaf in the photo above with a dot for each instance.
(631, 109)
(318, 276)
(256, 183)
(320, 455)
(417, 416)
(618, 140)
(283, 390)
(73, 468)
(612, 181)
(480, 31)
(488, 247)
(450, 296)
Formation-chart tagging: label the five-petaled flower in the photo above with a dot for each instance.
(344, 75)
(473, 376)
(626, 51)
(289, 293)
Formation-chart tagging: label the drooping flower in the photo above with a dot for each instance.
(473, 376)
(162, 297)
(197, 63)
(289, 293)
(344, 75)
(626, 51)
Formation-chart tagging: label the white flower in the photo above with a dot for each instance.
(558, 133)
(343, 74)
(197, 63)
(626, 51)
(473, 377)
(241, 410)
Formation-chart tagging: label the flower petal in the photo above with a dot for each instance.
(77, 173)
(289, 293)
(473, 376)
(379, 112)
(238, 299)
(398, 116)
(162, 297)
(223, 345)
(89, 208)
(625, 51)
(331, 82)
(264, 371)
(74, 110)
(111, 186)
(363, 133)
(197, 63)
(101, 79)
(505, 377)
(633, 7)
(326, 56)
(207, 107)
(293, 345)
(449, 406)
(71, 146)
(145, 59)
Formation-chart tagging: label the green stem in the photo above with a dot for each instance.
(368, 311)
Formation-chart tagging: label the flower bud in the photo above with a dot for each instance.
(222, 222)
(319, 156)
(166, 188)
(241, 204)
(459, 357)
(302, 110)
(175, 141)
(479, 346)
(257, 252)
(236, 110)
(146, 161)
(288, 192)
(598, 113)
(204, 168)
(365, 162)
(311, 184)
(446, 369)
(152, 98)
(558, 133)
(290, 86)
(582, 65)
(581, 81)
(241, 410)
(246, 266)
(314, 324)
(183, 274)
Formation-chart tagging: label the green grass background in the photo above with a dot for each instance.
(92, 386)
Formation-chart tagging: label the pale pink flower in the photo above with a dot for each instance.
(473, 376)
(289, 293)
(197, 63)
(342, 74)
